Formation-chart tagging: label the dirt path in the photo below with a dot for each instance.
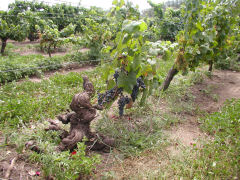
(210, 96)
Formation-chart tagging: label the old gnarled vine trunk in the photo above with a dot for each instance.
(80, 119)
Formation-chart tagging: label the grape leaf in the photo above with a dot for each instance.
(127, 81)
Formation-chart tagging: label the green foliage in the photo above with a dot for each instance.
(20, 6)
(230, 58)
(96, 36)
(52, 38)
(207, 29)
(121, 11)
(165, 24)
(61, 14)
(171, 24)
(165, 49)
(158, 9)
(131, 57)
(12, 27)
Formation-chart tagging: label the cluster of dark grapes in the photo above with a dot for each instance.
(108, 96)
(115, 76)
(140, 84)
(123, 100)
(111, 94)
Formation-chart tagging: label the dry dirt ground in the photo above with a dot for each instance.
(210, 95)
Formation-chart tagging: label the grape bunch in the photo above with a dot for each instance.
(109, 95)
(140, 84)
(123, 100)
(115, 76)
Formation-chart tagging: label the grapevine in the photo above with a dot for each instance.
(116, 75)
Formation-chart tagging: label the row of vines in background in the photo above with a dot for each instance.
(23, 19)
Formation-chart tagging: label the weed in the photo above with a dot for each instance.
(138, 132)
(197, 77)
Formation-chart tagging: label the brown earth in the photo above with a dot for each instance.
(210, 96)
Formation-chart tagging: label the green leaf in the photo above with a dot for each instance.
(127, 81)
(134, 26)
(136, 62)
(126, 38)
(111, 83)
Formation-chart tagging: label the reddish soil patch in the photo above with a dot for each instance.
(212, 93)
(22, 169)
(210, 96)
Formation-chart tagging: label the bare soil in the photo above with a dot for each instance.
(22, 169)
(210, 96)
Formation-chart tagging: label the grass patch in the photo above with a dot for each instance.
(16, 67)
(29, 101)
(24, 109)
(179, 97)
(139, 130)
